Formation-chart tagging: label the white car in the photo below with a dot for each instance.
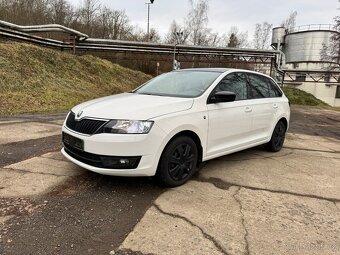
(171, 124)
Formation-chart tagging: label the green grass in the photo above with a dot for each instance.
(300, 97)
(35, 79)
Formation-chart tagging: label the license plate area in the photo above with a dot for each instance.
(73, 142)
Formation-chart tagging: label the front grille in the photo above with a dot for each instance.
(109, 162)
(84, 126)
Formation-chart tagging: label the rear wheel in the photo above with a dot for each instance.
(278, 137)
(178, 162)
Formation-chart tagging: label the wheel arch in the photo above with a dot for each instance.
(285, 121)
(194, 137)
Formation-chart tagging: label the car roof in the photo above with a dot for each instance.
(221, 70)
(217, 70)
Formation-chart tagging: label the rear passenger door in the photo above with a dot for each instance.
(264, 106)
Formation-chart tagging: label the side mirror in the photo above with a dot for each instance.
(223, 97)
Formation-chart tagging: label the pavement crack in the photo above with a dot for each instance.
(247, 252)
(258, 156)
(218, 183)
(130, 252)
(31, 172)
(312, 150)
(206, 235)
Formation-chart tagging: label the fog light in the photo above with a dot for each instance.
(120, 162)
(124, 162)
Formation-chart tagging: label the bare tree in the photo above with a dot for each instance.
(290, 22)
(331, 52)
(61, 12)
(197, 21)
(139, 35)
(262, 35)
(177, 34)
(236, 39)
(89, 13)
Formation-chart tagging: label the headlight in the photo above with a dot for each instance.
(128, 127)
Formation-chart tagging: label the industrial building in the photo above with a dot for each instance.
(301, 61)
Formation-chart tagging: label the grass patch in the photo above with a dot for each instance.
(300, 97)
(35, 79)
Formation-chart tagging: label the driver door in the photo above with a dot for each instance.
(230, 123)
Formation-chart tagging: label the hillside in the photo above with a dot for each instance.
(300, 97)
(35, 79)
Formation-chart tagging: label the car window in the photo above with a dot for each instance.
(273, 89)
(259, 86)
(234, 82)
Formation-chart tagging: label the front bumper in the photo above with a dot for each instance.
(147, 148)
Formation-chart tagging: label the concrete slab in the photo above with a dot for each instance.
(286, 224)
(55, 155)
(48, 164)
(158, 233)
(319, 143)
(196, 218)
(235, 221)
(306, 173)
(26, 131)
(60, 122)
(24, 184)
(261, 203)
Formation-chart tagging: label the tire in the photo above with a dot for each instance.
(278, 137)
(178, 162)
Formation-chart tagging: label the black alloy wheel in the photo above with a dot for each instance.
(278, 137)
(178, 162)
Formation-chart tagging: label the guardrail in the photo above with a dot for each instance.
(312, 27)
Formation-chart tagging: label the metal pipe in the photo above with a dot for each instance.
(44, 28)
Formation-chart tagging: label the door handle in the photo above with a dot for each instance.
(275, 106)
(248, 109)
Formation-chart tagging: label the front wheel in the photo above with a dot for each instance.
(278, 137)
(178, 162)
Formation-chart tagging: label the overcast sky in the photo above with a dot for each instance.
(226, 13)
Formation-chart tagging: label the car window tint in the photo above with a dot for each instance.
(273, 89)
(259, 86)
(234, 82)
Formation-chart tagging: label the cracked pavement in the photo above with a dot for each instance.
(251, 202)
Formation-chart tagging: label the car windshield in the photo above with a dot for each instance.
(179, 84)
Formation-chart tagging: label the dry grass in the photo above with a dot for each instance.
(35, 79)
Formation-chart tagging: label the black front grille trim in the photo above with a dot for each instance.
(85, 126)
(97, 160)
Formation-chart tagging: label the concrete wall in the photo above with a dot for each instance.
(321, 91)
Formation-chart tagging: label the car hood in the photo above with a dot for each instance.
(132, 106)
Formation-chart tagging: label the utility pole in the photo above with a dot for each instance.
(178, 41)
(148, 29)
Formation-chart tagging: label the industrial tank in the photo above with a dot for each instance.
(306, 46)
(278, 36)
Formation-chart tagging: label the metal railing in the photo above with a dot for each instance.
(82, 42)
(43, 28)
(312, 27)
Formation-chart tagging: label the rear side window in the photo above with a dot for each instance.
(235, 82)
(273, 89)
(259, 86)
